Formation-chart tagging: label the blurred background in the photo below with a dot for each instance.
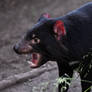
(16, 17)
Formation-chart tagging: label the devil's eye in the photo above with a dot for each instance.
(35, 41)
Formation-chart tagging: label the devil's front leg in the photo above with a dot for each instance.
(65, 71)
(86, 82)
(86, 77)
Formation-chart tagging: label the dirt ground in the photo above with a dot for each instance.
(16, 17)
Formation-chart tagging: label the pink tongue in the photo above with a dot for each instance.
(34, 58)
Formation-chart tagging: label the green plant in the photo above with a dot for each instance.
(61, 80)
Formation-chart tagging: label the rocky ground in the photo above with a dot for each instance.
(16, 17)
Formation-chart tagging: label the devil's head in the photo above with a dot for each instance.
(42, 41)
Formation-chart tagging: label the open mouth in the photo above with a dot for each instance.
(35, 60)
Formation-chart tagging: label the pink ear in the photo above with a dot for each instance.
(46, 15)
(59, 29)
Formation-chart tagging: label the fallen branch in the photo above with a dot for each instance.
(23, 77)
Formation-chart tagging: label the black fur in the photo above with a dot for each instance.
(71, 48)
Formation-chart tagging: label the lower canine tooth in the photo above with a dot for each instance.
(28, 62)
(32, 64)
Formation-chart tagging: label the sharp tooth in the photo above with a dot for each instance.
(28, 62)
(32, 64)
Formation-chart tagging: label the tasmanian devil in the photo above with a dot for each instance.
(66, 40)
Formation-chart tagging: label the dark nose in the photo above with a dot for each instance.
(16, 49)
